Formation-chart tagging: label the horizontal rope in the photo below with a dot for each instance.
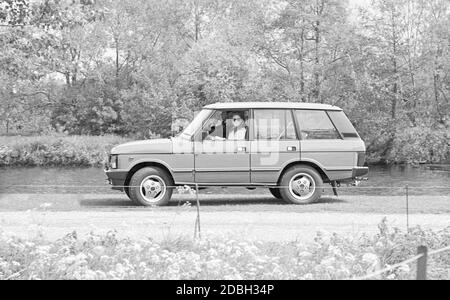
(439, 251)
(393, 267)
(390, 268)
(225, 186)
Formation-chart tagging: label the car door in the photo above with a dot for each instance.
(221, 161)
(275, 144)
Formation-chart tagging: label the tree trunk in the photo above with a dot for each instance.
(436, 79)
(316, 92)
(395, 90)
(196, 21)
(318, 12)
(68, 82)
(302, 64)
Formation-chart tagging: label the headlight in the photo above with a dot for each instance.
(113, 161)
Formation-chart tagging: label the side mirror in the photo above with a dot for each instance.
(204, 135)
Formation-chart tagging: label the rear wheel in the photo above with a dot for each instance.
(276, 193)
(151, 186)
(301, 185)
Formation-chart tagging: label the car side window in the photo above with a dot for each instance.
(214, 127)
(226, 125)
(343, 124)
(274, 125)
(316, 125)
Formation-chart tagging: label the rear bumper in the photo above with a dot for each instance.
(360, 172)
(116, 178)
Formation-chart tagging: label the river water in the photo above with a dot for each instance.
(384, 180)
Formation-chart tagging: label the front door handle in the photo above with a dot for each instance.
(292, 148)
(242, 149)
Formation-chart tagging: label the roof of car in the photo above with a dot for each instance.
(272, 105)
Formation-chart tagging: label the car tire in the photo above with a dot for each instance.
(127, 192)
(301, 185)
(151, 186)
(276, 193)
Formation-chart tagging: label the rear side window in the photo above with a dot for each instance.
(274, 125)
(343, 124)
(316, 125)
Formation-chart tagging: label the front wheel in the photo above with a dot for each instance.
(151, 187)
(127, 192)
(301, 185)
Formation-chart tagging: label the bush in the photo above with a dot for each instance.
(47, 151)
(90, 108)
(107, 257)
(421, 145)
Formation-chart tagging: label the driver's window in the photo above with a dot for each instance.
(226, 125)
(213, 128)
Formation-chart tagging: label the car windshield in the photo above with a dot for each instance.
(196, 123)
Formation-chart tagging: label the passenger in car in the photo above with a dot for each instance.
(239, 130)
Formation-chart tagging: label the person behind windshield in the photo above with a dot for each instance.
(239, 130)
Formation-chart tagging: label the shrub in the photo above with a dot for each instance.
(421, 145)
(328, 257)
(79, 151)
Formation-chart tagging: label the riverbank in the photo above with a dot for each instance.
(56, 151)
(75, 151)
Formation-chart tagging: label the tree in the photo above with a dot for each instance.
(131, 67)
(304, 41)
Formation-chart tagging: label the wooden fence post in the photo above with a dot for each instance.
(407, 208)
(197, 221)
(422, 263)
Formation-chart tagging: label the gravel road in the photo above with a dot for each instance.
(268, 226)
(257, 217)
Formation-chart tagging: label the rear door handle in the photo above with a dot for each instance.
(292, 148)
(242, 149)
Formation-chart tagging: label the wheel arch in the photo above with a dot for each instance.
(312, 164)
(145, 164)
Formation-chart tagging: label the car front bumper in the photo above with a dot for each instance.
(116, 178)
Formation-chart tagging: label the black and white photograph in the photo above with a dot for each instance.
(224, 147)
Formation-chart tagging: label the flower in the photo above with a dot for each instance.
(404, 269)
(305, 254)
(99, 250)
(370, 259)
(108, 257)
(328, 261)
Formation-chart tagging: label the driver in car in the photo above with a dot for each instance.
(239, 130)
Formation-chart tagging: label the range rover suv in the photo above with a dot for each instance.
(293, 149)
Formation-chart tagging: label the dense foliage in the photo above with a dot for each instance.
(56, 151)
(328, 257)
(131, 67)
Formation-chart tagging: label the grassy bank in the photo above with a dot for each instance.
(89, 151)
(329, 257)
(56, 151)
